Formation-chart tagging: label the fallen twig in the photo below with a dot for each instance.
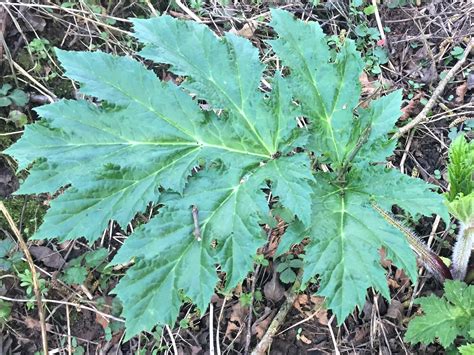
(267, 339)
(421, 117)
(66, 303)
(34, 276)
(379, 22)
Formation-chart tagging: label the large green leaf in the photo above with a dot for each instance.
(345, 243)
(202, 152)
(225, 72)
(347, 233)
(328, 92)
(172, 259)
(80, 142)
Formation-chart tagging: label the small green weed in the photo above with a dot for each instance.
(9, 96)
(26, 281)
(286, 268)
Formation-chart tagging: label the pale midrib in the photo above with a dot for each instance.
(316, 91)
(181, 129)
(154, 173)
(237, 107)
(233, 190)
(176, 144)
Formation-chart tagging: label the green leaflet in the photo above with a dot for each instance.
(444, 318)
(229, 209)
(327, 92)
(462, 208)
(381, 116)
(140, 143)
(461, 167)
(467, 349)
(344, 250)
(292, 177)
(460, 198)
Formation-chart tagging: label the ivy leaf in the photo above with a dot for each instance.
(444, 318)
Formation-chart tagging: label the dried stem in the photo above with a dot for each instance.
(34, 276)
(267, 339)
(421, 117)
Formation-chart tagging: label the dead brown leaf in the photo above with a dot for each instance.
(320, 309)
(273, 289)
(395, 310)
(263, 322)
(470, 81)
(411, 106)
(35, 324)
(300, 302)
(34, 23)
(236, 321)
(386, 263)
(247, 30)
(460, 93)
(401, 277)
(312, 307)
(48, 257)
(361, 334)
(368, 87)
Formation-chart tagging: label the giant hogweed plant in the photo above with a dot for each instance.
(460, 201)
(141, 142)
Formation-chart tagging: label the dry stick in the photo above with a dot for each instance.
(188, 11)
(152, 9)
(75, 305)
(31, 264)
(173, 342)
(379, 21)
(197, 229)
(421, 117)
(267, 339)
(248, 337)
(333, 338)
(69, 340)
(221, 313)
(211, 329)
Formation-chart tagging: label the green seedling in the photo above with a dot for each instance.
(9, 96)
